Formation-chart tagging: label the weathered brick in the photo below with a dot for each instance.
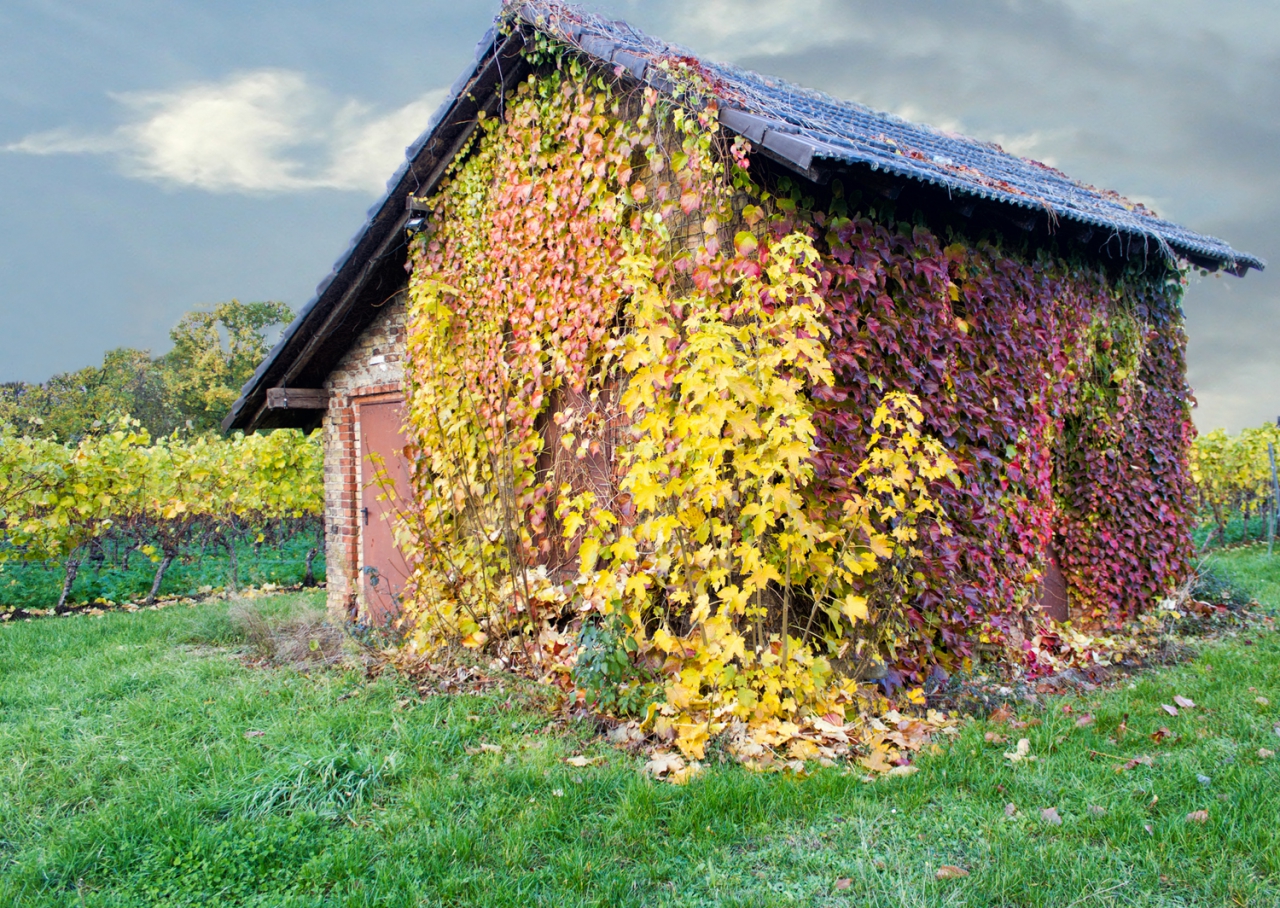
(354, 376)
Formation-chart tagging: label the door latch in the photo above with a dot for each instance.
(364, 512)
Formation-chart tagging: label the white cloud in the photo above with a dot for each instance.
(65, 141)
(256, 132)
(363, 141)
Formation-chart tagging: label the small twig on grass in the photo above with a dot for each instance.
(1098, 753)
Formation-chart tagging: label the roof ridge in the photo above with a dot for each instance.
(809, 125)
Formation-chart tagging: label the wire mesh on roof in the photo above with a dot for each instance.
(808, 126)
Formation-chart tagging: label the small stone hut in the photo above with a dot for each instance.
(952, 269)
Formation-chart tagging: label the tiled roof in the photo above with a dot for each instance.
(810, 128)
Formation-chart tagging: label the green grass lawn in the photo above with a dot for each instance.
(141, 763)
(1252, 569)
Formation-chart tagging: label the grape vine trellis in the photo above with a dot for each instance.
(1233, 476)
(58, 501)
(756, 445)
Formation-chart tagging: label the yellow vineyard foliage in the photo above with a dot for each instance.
(54, 498)
(1232, 473)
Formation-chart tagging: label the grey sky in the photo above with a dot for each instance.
(163, 155)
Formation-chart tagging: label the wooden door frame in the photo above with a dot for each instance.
(378, 394)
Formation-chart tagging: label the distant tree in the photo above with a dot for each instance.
(214, 353)
(191, 387)
(73, 405)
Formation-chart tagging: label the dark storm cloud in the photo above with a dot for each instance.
(1173, 102)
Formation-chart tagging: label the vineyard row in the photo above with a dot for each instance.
(1233, 476)
(123, 491)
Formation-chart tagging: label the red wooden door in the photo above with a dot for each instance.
(1054, 600)
(384, 494)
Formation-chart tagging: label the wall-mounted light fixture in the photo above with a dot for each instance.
(417, 223)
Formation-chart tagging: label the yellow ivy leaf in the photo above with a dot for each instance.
(854, 608)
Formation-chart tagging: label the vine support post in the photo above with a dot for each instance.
(73, 568)
(233, 565)
(309, 578)
(1275, 499)
(159, 578)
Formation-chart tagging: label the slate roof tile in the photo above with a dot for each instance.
(809, 127)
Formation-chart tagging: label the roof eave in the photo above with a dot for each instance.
(496, 67)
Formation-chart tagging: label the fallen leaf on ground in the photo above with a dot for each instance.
(877, 760)
(844, 883)
(625, 734)
(484, 748)
(993, 738)
(1097, 811)
(1160, 734)
(1002, 714)
(1022, 752)
(557, 792)
(254, 734)
(1050, 816)
(1262, 701)
(1147, 827)
(1086, 719)
(1010, 810)
(801, 771)
(662, 763)
(951, 872)
(1184, 702)
(903, 770)
(1198, 816)
(581, 761)
(681, 776)
(1136, 761)
(1171, 710)
(1266, 753)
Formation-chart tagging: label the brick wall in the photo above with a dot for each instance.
(374, 366)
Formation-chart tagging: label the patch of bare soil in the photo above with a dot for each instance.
(100, 607)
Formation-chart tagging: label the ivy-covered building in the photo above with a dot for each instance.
(581, 184)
